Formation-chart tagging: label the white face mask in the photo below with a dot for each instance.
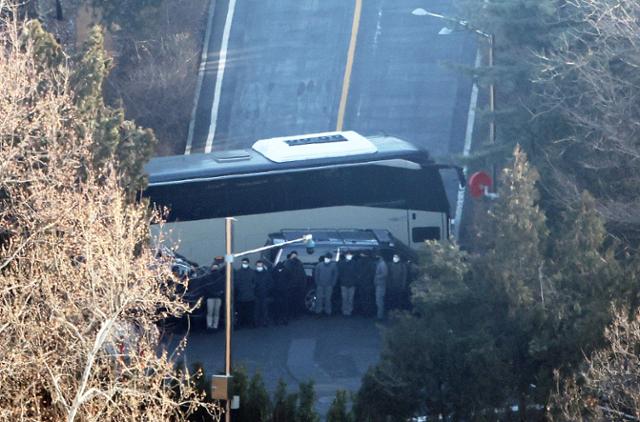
(396, 259)
(245, 265)
(259, 269)
(327, 260)
(349, 257)
(294, 256)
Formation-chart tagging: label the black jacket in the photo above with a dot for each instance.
(297, 278)
(244, 283)
(264, 284)
(214, 284)
(280, 279)
(398, 276)
(348, 273)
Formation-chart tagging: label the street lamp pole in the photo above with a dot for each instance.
(229, 258)
(490, 59)
(228, 325)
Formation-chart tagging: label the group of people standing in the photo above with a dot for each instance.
(363, 280)
(368, 286)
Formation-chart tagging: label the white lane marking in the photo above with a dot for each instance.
(204, 61)
(471, 117)
(221, 64)
(378, 29)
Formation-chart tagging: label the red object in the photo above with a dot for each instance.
(477, 183)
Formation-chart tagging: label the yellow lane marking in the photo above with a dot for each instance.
(347, 72)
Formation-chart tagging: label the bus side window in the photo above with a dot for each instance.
(421, 234)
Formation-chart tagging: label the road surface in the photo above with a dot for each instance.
(334, 352)
(278, 68)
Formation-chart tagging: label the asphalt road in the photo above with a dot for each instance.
(334, 352)
(282, 73)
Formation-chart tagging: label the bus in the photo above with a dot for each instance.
(331, 179)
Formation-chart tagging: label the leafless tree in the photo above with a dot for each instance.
(609, 387)
(81, 290)
(591, 76)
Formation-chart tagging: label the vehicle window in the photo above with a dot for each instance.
(421, 234)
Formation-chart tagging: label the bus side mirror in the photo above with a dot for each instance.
(309, 243)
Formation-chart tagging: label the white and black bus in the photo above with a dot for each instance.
(333, 179)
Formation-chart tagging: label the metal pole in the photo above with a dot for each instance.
(492, 108)
(228, 313)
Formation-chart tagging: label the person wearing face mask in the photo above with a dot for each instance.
(398, 286)
(325, 275)
(348, 277)
(244, 283)
(296, 282)
(380, 282)
(264, 284)
(213, 289)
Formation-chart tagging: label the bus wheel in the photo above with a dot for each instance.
(310, 300)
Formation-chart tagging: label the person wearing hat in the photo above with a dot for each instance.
(348, 277)
(325, 275)
(245, 293)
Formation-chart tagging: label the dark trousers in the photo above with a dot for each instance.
(261, 312)
(281, 308)
(246, 313)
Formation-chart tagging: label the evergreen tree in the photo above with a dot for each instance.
(587, 279)
(115, 138)
(513, 271)
(284, 405)
(257, 404)
(239, 387)
(474, 340)
(338, 411)
(307, 401)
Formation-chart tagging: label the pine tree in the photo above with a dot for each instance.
(338, 411)
(587, 280)
(239, 387)
(115, 138)
(513, 271)
(257, 405)
(284, 405)
(517, 237)
(307, 401)
(441, 359)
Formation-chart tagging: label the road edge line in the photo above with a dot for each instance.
(204, 59)
(219, 76)
(471, 119)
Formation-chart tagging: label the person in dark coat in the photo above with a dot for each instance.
(213, 289)
(348, 278)
(297, 282)
(245, 293)
(365, 293)
(264, 284)
(281, 299)
(398, 287)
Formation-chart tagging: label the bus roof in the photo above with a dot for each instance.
(183, 168)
